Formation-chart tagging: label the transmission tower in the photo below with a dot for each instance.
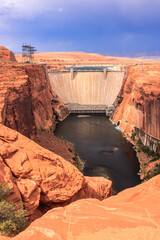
(28, 53)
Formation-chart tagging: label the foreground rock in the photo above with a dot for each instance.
(41, 179)
(132, 214)
(96, 187)
(4, 237)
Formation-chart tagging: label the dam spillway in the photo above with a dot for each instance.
(98, 87)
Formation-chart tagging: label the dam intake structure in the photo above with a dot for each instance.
(88, 89)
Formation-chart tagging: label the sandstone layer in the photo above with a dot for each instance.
(140, 106)
(133, 214)
(6, 55)
(27, 102)
(40, 178)
(139, 112)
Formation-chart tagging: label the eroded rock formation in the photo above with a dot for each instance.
(6, 54)
(28, 104)
(40, 177)
(140, 106)
(138, 114)
(132, 214)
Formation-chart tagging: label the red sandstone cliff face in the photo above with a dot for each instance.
(141, 100)
(132, 214)
(41, 179)
(27, 102)
(6, 54)
(139, 112)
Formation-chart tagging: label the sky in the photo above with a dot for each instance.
(81, 25)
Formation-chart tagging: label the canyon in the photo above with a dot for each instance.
(25, 93)
(139, 113)
(51, 188)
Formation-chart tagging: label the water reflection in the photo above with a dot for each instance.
(104, 149)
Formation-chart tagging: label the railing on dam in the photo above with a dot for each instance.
(92, 68)
(78, 108)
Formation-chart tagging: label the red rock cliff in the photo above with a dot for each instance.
(140, 106)
(6, 54)
(27, 102)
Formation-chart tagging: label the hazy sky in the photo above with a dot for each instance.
(81, 25)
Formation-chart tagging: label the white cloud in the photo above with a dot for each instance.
(28, 9)
(60, 9)
(32, 8)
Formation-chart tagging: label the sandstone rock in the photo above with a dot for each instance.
(30, 193)
(132, 214)
(139, 112)
(39, 170)
(7, 177)
(4, 237)
(6, 54)
(26, 99)
(19, 163)
(42, 177)
(96, 187)
(141, 100)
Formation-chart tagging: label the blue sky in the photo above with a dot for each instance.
(81, 25)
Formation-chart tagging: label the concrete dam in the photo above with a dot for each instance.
(87, 89)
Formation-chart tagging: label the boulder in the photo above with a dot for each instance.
(39, 177)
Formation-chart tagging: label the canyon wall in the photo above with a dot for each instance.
(92, 88)
(27, 102)
(140, 106)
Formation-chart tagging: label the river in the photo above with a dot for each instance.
(104, 149)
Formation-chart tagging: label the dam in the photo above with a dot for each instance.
(87, 89)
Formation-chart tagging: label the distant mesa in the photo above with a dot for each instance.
(6, 54)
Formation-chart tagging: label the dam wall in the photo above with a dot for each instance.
(87, 87)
